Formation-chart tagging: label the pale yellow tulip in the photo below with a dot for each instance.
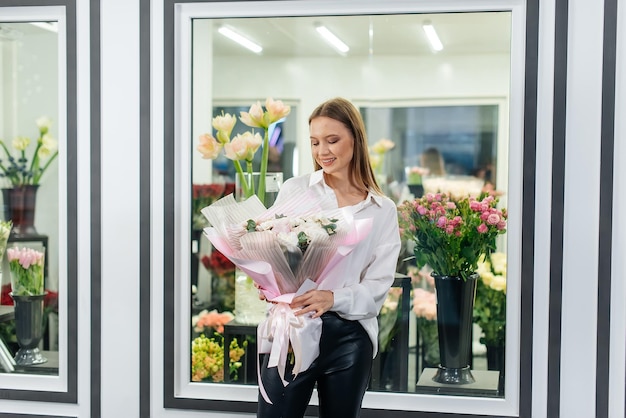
(276, 109)
(243, 146)
(209, 147)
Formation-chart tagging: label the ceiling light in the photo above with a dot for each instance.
(332, 39)
(51, 26)
(432, 36)
(240, 39)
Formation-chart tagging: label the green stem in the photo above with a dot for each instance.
(45, 167)
(242, 179)
(264, 158)
(251, 177)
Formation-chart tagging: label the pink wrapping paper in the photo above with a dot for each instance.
(259, 255)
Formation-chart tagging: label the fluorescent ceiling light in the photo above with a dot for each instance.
(241, 40)
(432, 36)
(51, 26)
(332, 39)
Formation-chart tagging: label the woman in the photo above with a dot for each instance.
(349, 338)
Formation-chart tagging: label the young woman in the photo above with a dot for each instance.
(349, 338)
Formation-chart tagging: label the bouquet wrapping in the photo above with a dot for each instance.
(288, 249)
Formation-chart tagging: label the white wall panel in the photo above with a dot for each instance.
(580, 240)
(120, 208)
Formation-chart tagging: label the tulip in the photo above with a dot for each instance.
(209, 147)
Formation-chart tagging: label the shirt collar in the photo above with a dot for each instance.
(317, 177)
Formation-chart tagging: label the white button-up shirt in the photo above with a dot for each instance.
(369, 270)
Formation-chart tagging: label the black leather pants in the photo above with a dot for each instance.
(341, 371)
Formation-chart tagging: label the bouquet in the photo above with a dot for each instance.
(26, 265)
(451, 235)
(490, 304)
(286, 249)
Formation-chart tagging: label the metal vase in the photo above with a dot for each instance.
(29, 328)
(455, 306)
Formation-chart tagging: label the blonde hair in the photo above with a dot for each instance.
(342, 110)
(432, 160)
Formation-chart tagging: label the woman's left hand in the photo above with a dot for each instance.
(315, 302)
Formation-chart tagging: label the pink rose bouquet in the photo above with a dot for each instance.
(451, 235)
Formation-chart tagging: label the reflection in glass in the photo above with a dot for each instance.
(29, 179)
(418, 100)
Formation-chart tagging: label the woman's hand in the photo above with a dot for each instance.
(314, 301)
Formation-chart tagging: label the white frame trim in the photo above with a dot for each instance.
(508, 406)
(32, 382)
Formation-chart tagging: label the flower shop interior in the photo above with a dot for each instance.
(115, 303)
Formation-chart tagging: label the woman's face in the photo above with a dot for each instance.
(332, 145)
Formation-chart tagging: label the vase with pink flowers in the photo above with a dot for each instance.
(451, 234)
(27, 282)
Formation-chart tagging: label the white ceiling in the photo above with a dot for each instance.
(460, 33)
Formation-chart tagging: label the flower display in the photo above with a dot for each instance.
(17, 169)
(454, 186)
(490, 303)
(218, 263)
(26, 265)
(388, 324)
(244, 146)
(377, 154)
(451, 235)
(203, 195)
(414, 174)
(207, 358)
(210, 322)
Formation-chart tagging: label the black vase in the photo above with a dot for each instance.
(455, 306)
(495, 358)
(19, 206)
(29, 328)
